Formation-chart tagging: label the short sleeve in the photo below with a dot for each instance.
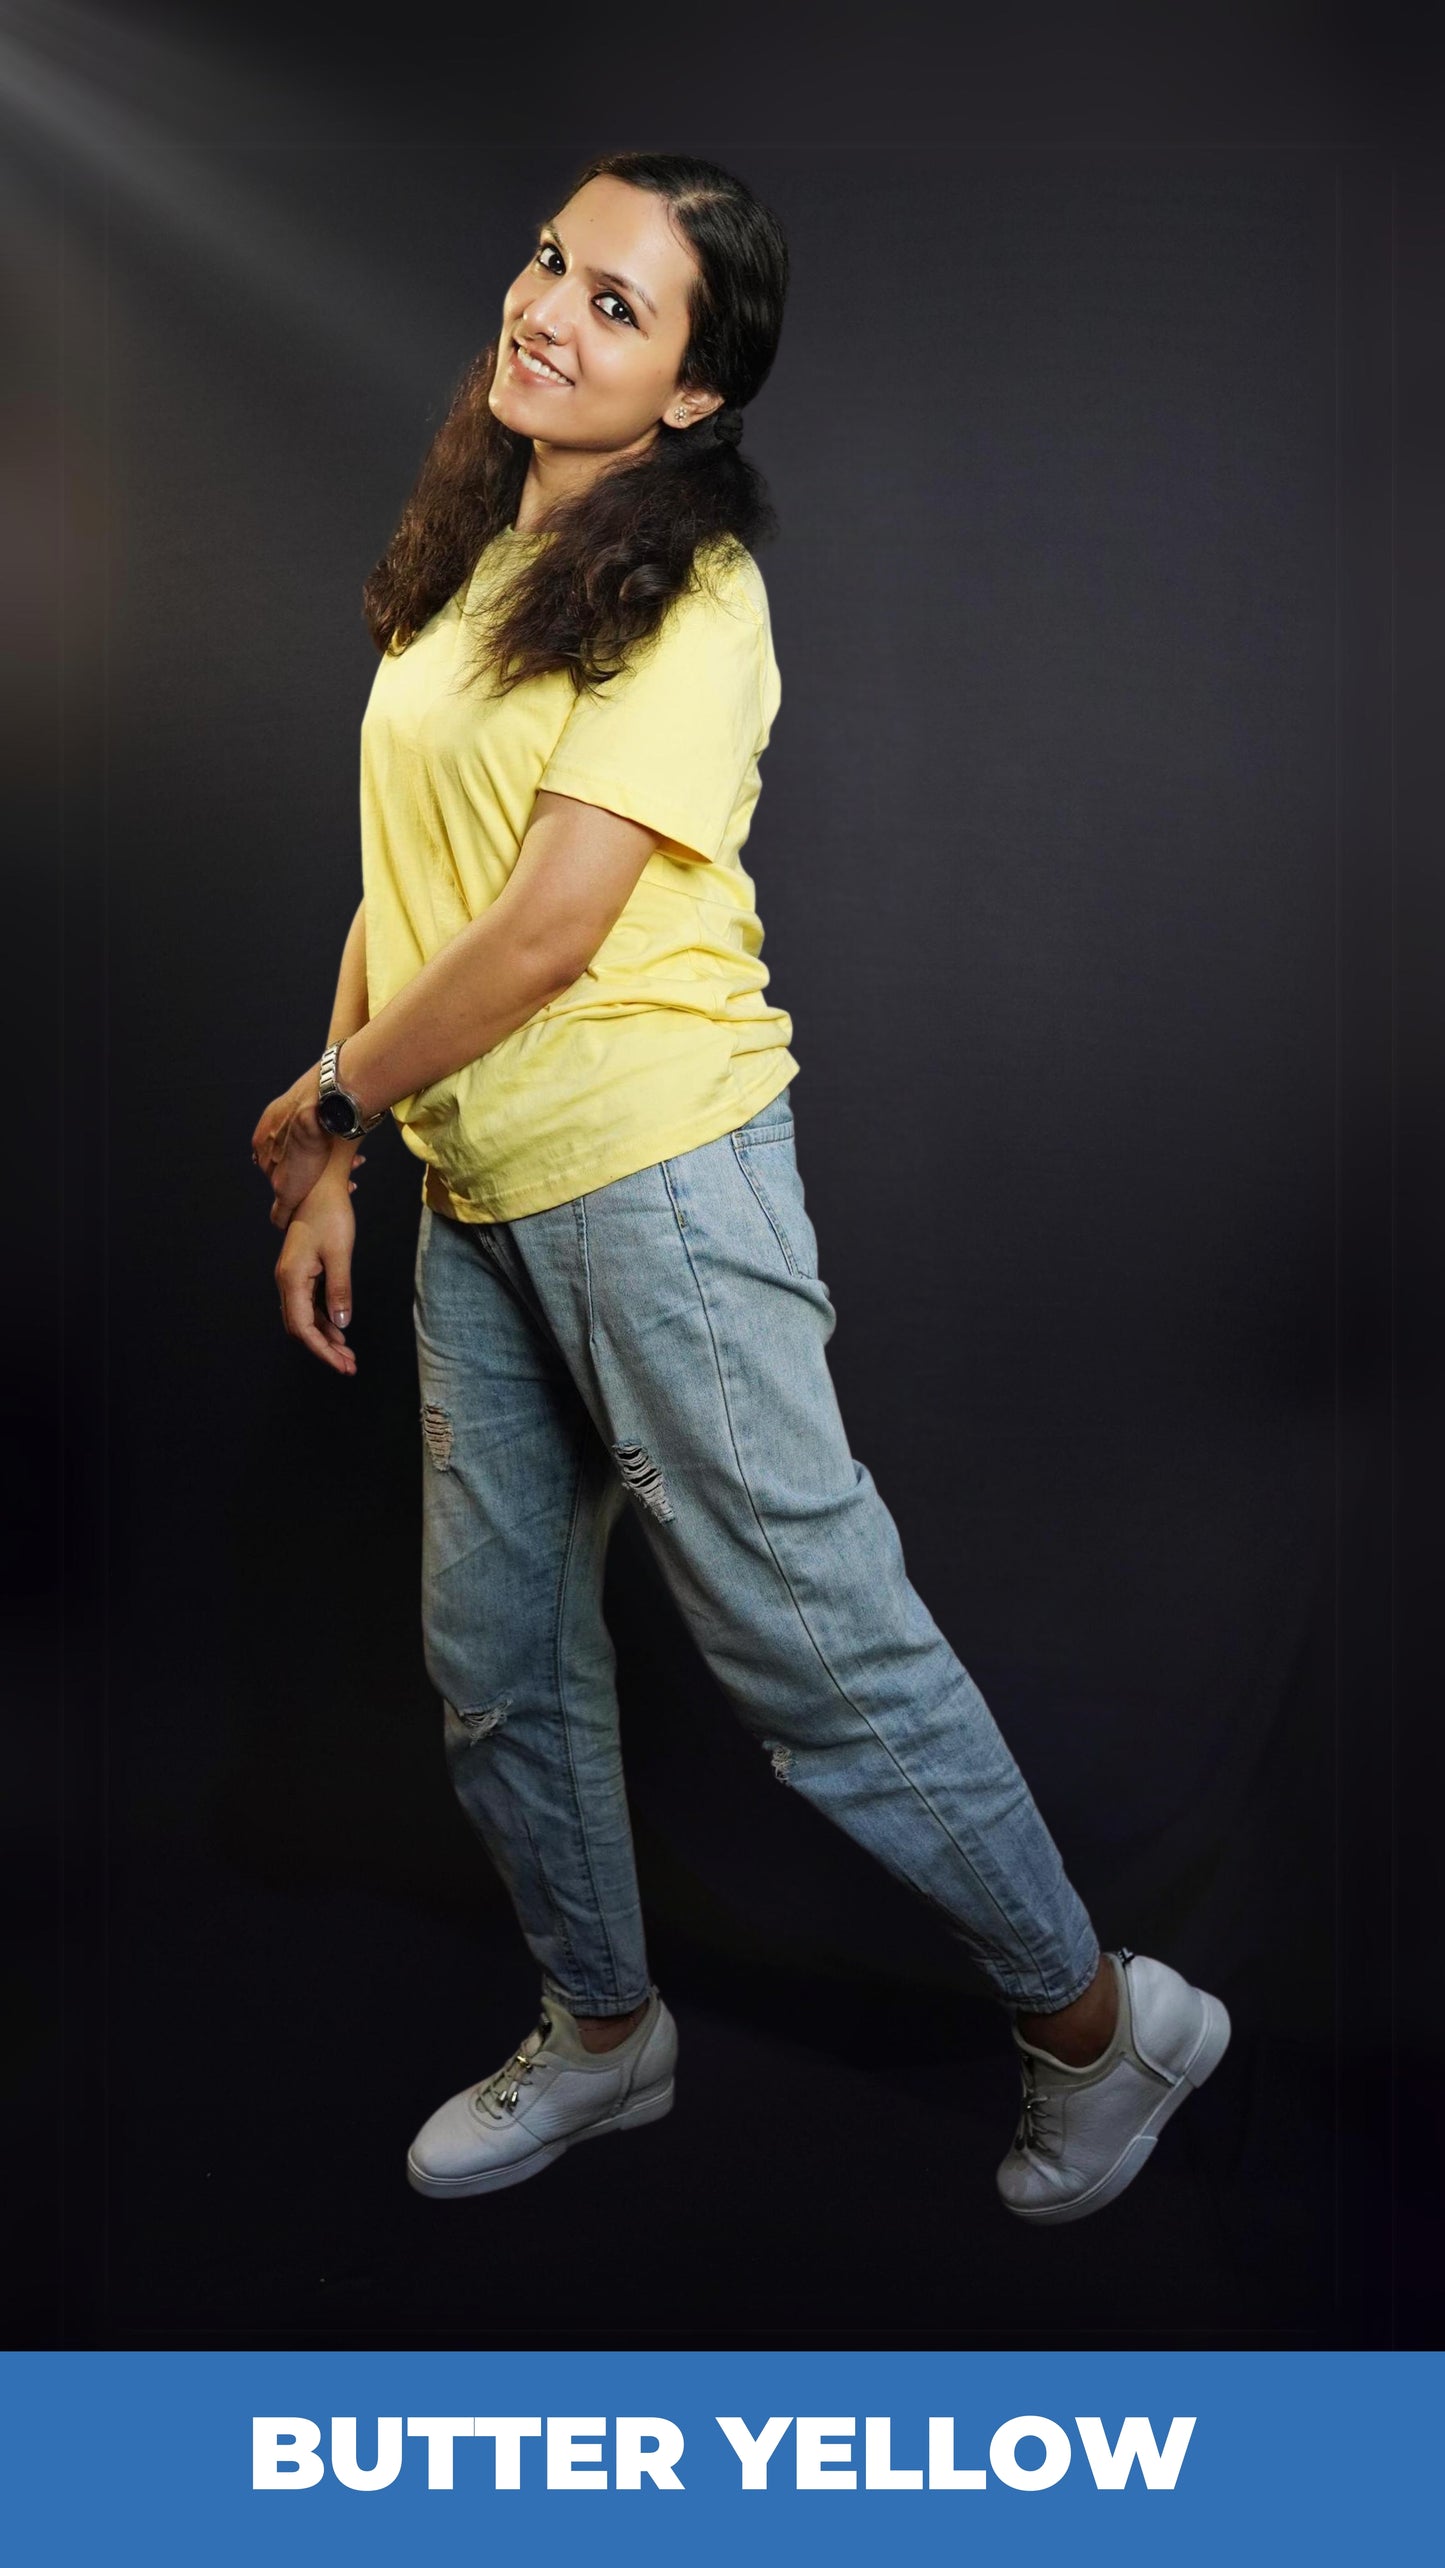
(670, 740)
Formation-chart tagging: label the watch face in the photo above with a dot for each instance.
(335, 1113)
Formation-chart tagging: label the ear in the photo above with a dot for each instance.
(695, 403)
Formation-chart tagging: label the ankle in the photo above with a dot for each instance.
(1080, 2033)
(604, 2032)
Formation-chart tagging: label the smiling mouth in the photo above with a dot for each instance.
(537, 366)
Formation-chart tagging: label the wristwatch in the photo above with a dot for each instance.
(337, 1111)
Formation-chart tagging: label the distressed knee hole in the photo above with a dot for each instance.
(644, 1480)
(482, 1718)
(783, 1764)
(436, 1426)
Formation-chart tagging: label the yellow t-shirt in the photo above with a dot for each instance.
(666, 1041)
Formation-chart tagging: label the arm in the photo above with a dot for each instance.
(576, 871)
(574, 875)
(349, 1012)
(316, 1251)
(349, 1008)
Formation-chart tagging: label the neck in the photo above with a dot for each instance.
(560, 473)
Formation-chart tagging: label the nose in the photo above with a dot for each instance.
(546, 311)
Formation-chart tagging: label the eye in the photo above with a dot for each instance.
(623, 313)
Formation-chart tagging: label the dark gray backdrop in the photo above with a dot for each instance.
(1073, 854)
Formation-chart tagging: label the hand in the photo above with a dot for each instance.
(316, 1253)
(289, 1146)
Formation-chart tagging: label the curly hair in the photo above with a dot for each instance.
(627, 545)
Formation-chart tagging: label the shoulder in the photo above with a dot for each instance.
(717, 622)
(726, 578)
(712, 643)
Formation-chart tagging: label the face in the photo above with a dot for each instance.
(603, 305)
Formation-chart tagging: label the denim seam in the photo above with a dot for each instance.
(765, 1207)
(580, 1209)
(1010, 1927)
(1030, 2006)
(555, 1909)
(559, 1914)
(578, 1800)
(594, 2006)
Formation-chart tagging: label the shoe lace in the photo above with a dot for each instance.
(1040, 2123)
(502, 2091)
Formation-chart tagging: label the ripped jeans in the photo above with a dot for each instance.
(659, 1344)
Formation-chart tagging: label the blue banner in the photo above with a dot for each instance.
(313, 2457)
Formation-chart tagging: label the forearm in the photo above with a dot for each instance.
(350, 1009)
(349, 1012)
(578, 866)
(480, 988)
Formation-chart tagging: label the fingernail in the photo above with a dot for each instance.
(341, 1318)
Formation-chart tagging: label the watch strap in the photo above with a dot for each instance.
(328, 1084)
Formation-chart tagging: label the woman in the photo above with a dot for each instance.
(554, 985)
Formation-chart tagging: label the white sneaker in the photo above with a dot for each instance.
(1083, 2134)
(551, 2092)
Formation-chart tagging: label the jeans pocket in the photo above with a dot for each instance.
(766, 1155)
(772, 1122)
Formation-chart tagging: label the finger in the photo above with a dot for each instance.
(337, 1263)
(298, 1308)
(296, 1285)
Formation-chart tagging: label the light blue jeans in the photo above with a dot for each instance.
(660, 1344)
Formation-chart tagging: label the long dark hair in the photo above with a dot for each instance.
(624, 548)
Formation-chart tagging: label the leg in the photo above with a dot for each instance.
(698, 1340)
(1081, 2032)
(519, 1500)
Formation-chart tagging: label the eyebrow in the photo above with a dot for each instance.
(603, 276)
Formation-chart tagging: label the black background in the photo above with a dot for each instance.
(1097, 854)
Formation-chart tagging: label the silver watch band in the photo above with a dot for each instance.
(329, 1084)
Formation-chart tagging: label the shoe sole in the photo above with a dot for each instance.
(1203, 2060)
(642, 2108)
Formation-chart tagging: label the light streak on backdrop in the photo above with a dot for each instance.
(122, 119)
